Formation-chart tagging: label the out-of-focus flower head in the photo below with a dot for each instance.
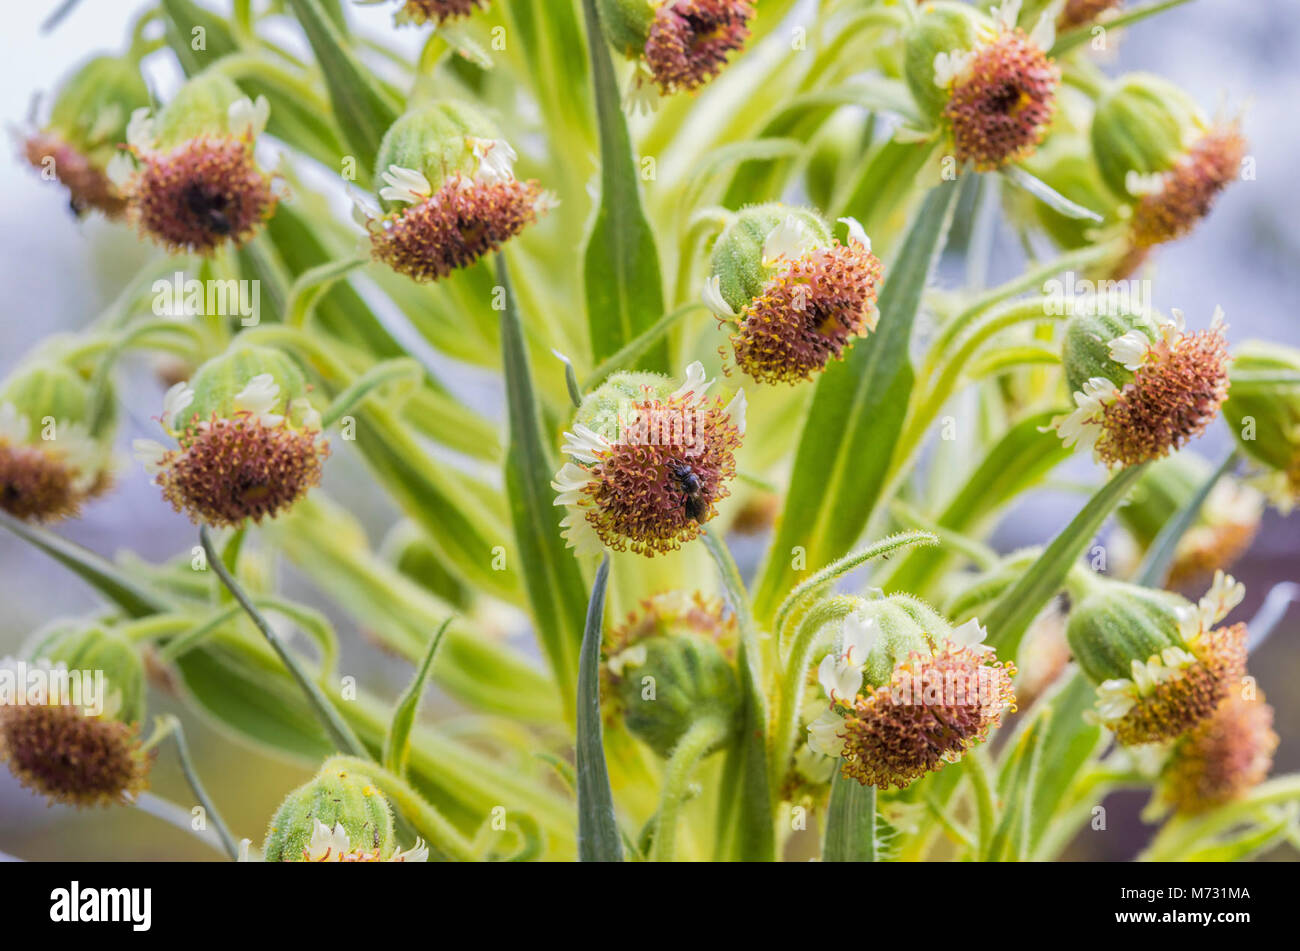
(249, 441)
(1264, 414)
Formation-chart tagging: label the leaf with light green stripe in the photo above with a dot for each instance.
(850, 822)
(1017, 608)
(363, 109)
(550, 573)
(598, 835)
(855, 417)
(624, 287)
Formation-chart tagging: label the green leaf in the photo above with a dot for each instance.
(1081, 35)
(1019, 460)
(627, 355)
(551, 574)
(1160, 556)
(1069, 742)
(850, 822)
(185, 23)
(624, 287)
(362, 108)
(108, 579)
(397, 743)
(598, 836)
(855, 416)
(1048, 195)
(1010, 840)
(1017, 608)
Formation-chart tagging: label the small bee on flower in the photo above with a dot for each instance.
(190, 177)
(795, 296)
(1159, 663)
(450, 193)
(987, 83)
(649, 461)
(87, 121)
(1142, 387)
(908, 692)
(249, 442)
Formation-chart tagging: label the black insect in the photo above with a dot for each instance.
(208, 207)
(689, 484)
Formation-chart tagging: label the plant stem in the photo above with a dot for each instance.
(337, 727)
(170, 726)
(703, 736)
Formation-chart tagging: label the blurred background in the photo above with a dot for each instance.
(58, 273)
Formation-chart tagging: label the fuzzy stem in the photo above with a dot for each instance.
(703, 735)
(334, 723)
(169, 725)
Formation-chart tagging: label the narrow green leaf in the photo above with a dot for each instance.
(363, 109)
(397, 742)
(185, 24)
(1020, 459)
(856, 413)
(1069, 742)
(624, 288)
(551, 575)
(1016, 785)
(109, 580)
(1077, 37)
(1017, 608)
(598, 835)
(632, 351)
(1159, 557)
(1048, 195)
(850, 822)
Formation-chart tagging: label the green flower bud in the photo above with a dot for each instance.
(200, 107)
(943, 27)
(438, 141)
(626, 24)
(87, 122)
(339, 816)
(1143, 124)
(667, 684)
(1265, 416)
(50, 460)
(1159, 663)
(250, 441)
(1086, 352)
(743, 258)
(98, 648)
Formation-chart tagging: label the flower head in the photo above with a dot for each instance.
(1222, 757)
(436, 11)
(689, 40)
(908, 693)
(249, 443)
(68, 753)
(1157, 386)
(450, 193)
(86, 122)
(1265, 417)
(190, 177)
(798, 298)
(50, 462)
(1000, 101)
(1077, 13)
(987, 83)
(1184, 195)
(1160, 665)
(648, 463)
